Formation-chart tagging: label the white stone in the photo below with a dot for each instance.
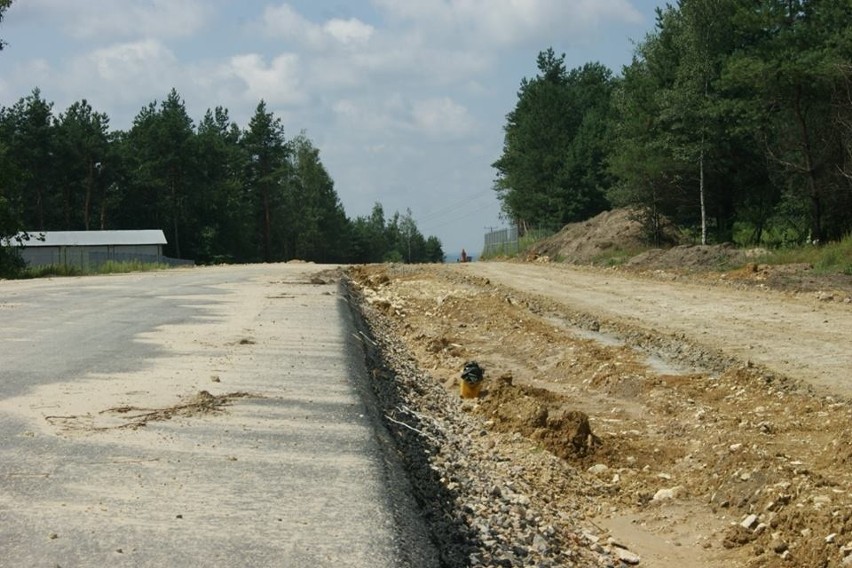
(627, 557)
(749, 522)
(668, 494)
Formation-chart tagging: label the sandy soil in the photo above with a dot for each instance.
(797, 336)
(720, 414)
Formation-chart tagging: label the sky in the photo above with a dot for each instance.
(406, 99)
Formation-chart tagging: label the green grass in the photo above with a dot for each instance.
(516, 249)
(507, 250)
(616, 256)
(109, 267)
(113, 267)
(830, 258)
(50, 270)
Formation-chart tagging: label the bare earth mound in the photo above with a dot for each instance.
(582, 243)
(618, 236)
(690, 257)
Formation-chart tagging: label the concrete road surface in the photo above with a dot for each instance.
(193, 417)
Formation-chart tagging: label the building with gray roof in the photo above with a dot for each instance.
(88, 249)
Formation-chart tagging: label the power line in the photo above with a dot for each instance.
(440, 212)
(465, 214)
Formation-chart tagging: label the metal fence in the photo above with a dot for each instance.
(502, 242)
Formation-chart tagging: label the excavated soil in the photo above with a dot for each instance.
(615, 233)
(632, 445)
(617, 238)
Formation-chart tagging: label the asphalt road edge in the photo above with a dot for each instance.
(413, 491)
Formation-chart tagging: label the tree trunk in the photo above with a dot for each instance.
(810, 170)
(102, 196)
(175, 211)
(87, 203)
(701, 175)
(701, 194)
(39, 207)
(267, 227)
(66, 205)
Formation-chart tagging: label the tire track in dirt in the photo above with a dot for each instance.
(799, 337)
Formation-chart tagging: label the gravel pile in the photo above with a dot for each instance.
(489, 499)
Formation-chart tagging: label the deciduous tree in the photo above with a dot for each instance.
(552, 167)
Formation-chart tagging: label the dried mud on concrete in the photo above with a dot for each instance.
(134, 417)
(599, 442)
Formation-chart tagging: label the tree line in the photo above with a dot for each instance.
(219, 192)
(733, 119)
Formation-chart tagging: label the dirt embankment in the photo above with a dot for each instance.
(618, 238)
(671, 447)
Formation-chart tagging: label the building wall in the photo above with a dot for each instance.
(90, 256)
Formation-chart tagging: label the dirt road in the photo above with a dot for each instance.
(797, 336)
(720, 415)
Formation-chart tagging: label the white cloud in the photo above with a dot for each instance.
(349, 32)
(506, 23)
(285, 23)
(342, 56)
(32, 73)
(371, 118)
(429, 44)
(110, 19)
(378, 121)
(122, 71)
(441, 117)
(277, 82)
(125, 62)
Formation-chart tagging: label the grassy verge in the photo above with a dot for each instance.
(109, 267)
(113, 267)
(831, 258)
(616, 256)
(517, 248)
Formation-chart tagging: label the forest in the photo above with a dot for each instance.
(733, 121)
(219, 192)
